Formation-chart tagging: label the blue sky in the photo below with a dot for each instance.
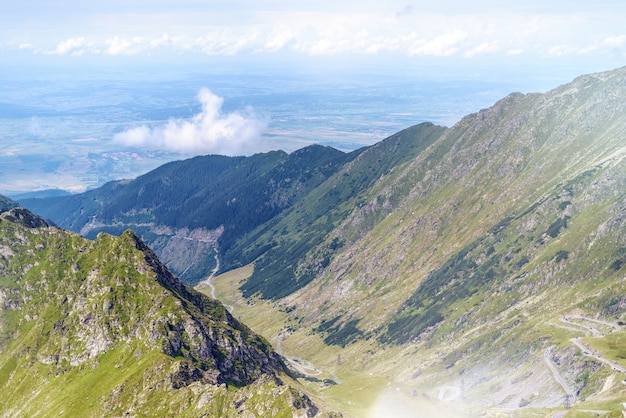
(583, 34)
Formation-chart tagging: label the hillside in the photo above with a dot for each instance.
(183, 208)
(102, 328)
(456, 270)
(279, 248)
(6, 203)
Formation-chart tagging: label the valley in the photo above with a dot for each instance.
(360, 392)
(471, 270)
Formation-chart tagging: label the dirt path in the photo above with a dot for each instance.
(305, 367)
(571, 395)
(587, 351)
(207, 282)
(585, 325)
(594, 354)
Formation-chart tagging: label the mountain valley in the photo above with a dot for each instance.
(476, 270)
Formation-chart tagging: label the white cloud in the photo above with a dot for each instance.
(333, 28)
(483, 48)
(71, 46)
(117, 46)
(278, 40)
(614, 41)
(164, 40)
(612, 44)
(125, 46)
(443, 45)
(210, 131)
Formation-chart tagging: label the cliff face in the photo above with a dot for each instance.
(105, 321)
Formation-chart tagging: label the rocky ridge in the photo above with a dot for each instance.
(75, 310)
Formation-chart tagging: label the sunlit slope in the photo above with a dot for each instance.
(465, 258)
(101, 328)
(282, 248)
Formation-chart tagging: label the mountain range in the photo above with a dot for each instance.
(476, 269)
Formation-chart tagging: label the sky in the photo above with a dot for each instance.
(394, 31)
(341, 46)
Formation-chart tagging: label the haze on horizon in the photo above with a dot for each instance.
(245, 63)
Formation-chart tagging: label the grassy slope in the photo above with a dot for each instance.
(281, 248)
(96, 329)
(510, 220)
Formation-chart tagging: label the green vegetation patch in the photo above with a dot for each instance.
(340, 334)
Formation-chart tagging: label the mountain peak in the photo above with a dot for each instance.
(24, 217)
(75, 310)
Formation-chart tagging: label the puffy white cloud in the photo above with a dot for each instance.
(614, 41)
(278, 40)
(611, 45)
(71, 46)
(210, 131)
(118, 46)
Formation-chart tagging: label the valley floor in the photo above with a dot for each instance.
(352, 382)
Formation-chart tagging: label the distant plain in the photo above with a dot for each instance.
(56, 130)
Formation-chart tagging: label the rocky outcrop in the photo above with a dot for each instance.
(25, 218)
(74, 308)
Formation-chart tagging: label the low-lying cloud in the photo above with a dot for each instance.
(209, 132)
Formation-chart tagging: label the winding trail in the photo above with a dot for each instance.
(590, 331)
(207, 281)
(571, 395)
(594, 354)
(305, 367)
(588, 351)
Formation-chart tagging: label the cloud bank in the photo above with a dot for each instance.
(475, 29)
(209, 132)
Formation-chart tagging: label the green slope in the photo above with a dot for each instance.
(6, 203)
(281, 248)
(101, 328)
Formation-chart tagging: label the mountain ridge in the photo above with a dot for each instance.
(103, 328)
(182, 208)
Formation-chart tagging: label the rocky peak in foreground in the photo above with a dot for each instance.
(103, 328)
